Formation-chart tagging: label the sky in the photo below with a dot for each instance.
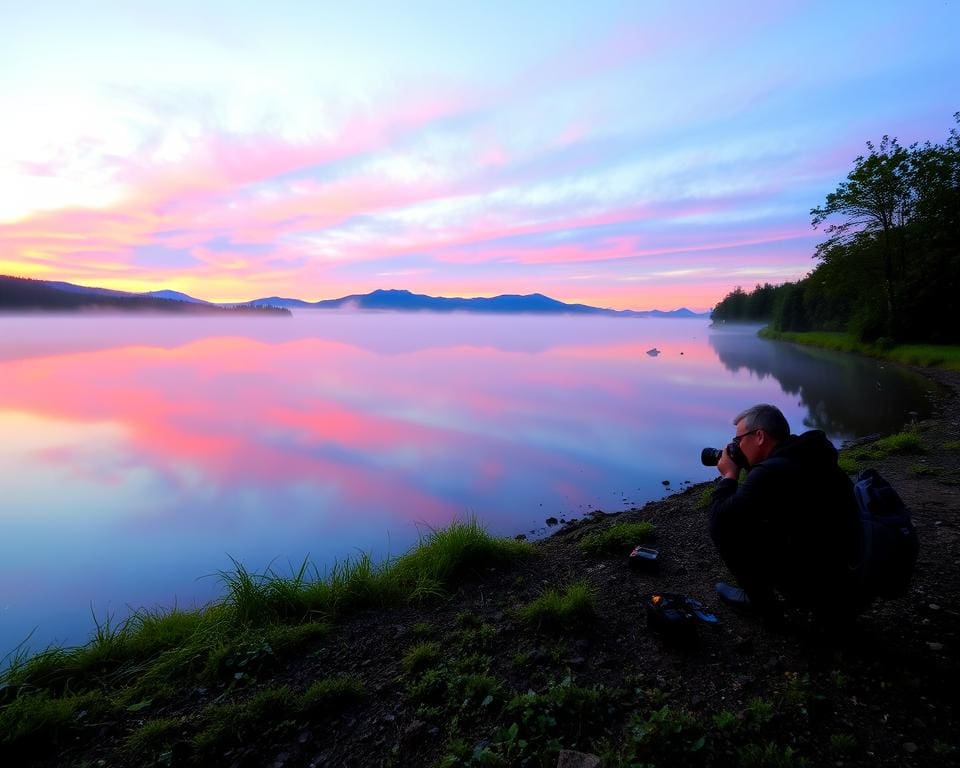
(632, 155)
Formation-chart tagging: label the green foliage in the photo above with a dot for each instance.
(561, 611)
(922, 355)
(39, 720)
(421, 656)
(843, 744)
(446, 555)
(704, 499)
(758, 713)
(890, 265)
(422, 629)
(153, 736)
(667, 735)
(617, 539)
(769, 755)
(563, 715)
(227, 725)
(331, 694)
(756, 306)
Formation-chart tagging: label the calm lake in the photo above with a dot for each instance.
(139, 454)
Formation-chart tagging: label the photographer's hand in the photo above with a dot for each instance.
(728, 467)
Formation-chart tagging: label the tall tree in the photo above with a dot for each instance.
(875, 202)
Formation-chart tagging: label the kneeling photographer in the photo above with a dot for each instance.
(790, 529)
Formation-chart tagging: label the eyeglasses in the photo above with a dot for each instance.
(738, 438)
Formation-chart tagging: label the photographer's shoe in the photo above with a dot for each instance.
(733, 596)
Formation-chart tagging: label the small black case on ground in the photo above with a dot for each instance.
(644, 559)
(675, 617)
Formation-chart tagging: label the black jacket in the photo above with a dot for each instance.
(795, 515)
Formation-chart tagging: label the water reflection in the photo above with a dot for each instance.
(137, 454)
(844, 395)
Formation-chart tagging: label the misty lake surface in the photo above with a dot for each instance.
(139, 454)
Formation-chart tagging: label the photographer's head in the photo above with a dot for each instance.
(760, 429)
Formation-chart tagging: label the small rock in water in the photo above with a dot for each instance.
(665, 482)
(551, 521)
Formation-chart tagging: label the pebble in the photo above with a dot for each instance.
(933, 607)
(935, 646)
(909, 747)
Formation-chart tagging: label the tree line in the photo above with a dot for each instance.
(889, 268)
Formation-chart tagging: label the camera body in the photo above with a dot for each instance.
(710, 456)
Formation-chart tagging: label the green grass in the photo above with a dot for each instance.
(560, 611)
(152, 656)
(618, 539)
(909, 442)
(331, 694)
(421, 656)
(153, 736)
(945, 356)
(444, 556)
(238, 723)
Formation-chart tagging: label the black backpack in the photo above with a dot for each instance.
(889, 539)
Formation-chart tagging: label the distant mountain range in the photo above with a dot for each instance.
(18, 294)
(23, 294)
(405, 301)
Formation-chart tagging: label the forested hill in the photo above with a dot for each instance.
(889, 268)
(19, 294)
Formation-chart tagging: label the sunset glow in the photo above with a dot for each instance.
(638, 155)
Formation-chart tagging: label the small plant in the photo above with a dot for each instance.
(431, 687)
(768, 755)
(704, 499)
(331, 694)
(153, 735)
(667, 735)
(758, 712)
(422, 630)
(843, 743)
(726, 721)
(230, 724)
(618, 539)
(421, 656)
(565, 610)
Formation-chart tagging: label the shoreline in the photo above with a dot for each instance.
(449, 675)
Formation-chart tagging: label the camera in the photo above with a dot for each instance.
(710, 456)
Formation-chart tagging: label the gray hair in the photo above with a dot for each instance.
(769, 418)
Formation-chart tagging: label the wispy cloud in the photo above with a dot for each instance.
(661, 145)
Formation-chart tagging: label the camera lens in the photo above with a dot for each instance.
(710, 456)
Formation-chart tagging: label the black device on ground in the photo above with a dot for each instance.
(676, 617)
(644, 559)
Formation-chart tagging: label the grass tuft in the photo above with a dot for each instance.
(446, 555)
(618, 539)
(331, 694)
(899, 444)
(558, 611)
(421, 656)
